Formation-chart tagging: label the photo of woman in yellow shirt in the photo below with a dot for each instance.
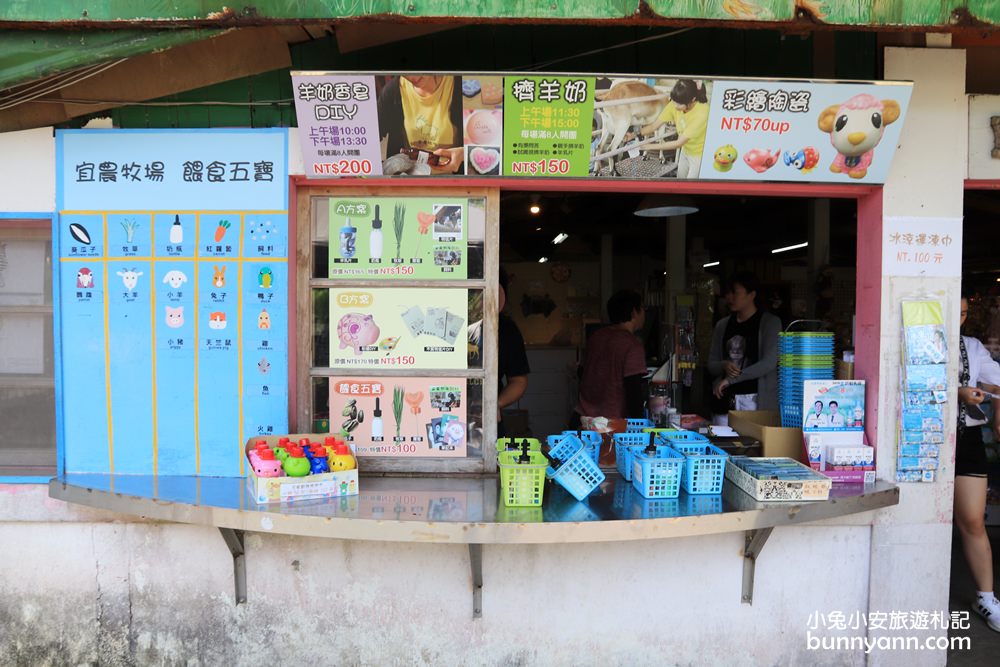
(688, 111)
(423, 114)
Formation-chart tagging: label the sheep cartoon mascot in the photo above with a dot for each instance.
(856, 128)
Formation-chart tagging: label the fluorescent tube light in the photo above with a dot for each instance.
(542, 260)
(560, 237)
(705, 266)
(789, 247)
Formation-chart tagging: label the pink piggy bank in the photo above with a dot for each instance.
(356, 330)
(267, 468)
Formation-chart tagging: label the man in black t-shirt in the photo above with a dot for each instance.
(512, 360)
(744, 353)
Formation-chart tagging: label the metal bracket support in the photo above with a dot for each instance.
(476, 563)
(234, 540)
(755, 541)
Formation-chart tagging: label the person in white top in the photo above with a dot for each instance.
(977, 372)
(817, 419)
(836, 419)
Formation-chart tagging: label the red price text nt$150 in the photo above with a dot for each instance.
(752, 124)
(540, 167)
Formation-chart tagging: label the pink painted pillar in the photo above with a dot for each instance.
(868, 315)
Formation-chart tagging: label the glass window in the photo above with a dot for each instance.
(27, 393)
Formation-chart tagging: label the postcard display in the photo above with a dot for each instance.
(172, 293)
(924, 386)
(379, 334)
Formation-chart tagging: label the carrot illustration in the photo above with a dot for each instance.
(220, 231)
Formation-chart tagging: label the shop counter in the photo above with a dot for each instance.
(461, 510)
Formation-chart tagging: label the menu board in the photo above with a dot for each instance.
(388, 238)
(173, 292)
(637, 127)
(401, 416)
(405, 327)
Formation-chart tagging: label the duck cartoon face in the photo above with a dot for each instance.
(856, 126)
(725, 156)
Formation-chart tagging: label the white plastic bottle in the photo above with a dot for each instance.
(375, 241)
(377, 420)
(176, 231)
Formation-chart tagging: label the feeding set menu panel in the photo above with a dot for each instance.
(173, 298)
(378, 331)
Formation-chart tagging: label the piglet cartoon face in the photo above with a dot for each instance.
(175, 317)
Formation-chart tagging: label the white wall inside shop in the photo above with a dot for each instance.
(926, 180)
(982, 140)
(550, 312)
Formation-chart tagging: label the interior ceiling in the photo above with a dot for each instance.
(739, 229)
(730, 228)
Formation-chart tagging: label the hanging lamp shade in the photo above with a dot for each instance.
(665, 206)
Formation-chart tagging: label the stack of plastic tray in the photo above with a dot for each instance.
(522, 484)
(576, 471)
(624, 443)
(704, 467)
(802, 355)
(591, 440)
(657, 475)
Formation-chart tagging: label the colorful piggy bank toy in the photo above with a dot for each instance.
(856, 128)
(725, 158)
(267, 468)
(356, 330)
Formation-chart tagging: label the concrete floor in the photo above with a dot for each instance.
(985, 643)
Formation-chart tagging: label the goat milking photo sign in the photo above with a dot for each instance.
(172, 298)
(634, 127)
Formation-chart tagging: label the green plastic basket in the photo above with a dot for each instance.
(514, 445)
(522, 484)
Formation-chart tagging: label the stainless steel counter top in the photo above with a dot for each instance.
(457, 510)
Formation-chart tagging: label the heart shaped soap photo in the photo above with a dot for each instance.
(485, 160)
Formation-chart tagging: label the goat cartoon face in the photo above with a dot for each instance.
(130, 278)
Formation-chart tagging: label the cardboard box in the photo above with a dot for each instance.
(766, 426)
(290, 489)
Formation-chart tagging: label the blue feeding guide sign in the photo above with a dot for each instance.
(172, 282)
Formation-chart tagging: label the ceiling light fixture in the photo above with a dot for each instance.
(542, 260)
(535, 209)
(560, 237)
(665, 206)
(705, 266)
(789, 247)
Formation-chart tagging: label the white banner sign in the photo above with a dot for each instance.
(922, 247)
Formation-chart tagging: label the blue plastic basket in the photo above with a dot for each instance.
(590, 439)
(680, 437)
(623, 454)
(632, 425)
(704, 467)
(657, 475)
(578, 473)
